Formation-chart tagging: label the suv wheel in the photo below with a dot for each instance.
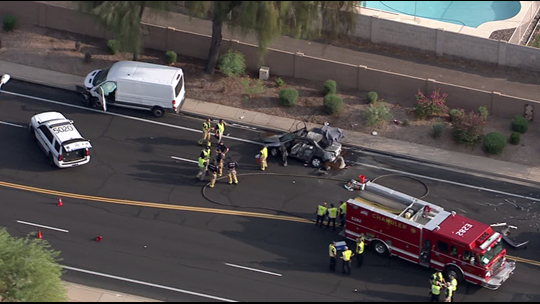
(274, 152)
(316, 162)
(51, 160)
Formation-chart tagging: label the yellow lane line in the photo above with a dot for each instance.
(185, 208)
(153, 205)
(522, 260)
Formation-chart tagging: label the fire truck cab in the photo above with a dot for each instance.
(397, 224)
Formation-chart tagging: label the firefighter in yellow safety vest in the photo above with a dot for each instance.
(333, 253)
(332, 215)
(321, 212)
(359, 251)
(342, 212)
(346, 256)
(206, 128)
(263, 155)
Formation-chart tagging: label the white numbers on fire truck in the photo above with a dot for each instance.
(464, 229)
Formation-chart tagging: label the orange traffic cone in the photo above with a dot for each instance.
(39, 236)
(99, 238)
(59, 204)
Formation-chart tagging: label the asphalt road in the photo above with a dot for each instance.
(195, 244)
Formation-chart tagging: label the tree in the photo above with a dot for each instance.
(270, 19)
(29, 271)
(123, 19)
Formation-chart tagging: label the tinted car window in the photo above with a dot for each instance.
(47, 133)
(57, 146)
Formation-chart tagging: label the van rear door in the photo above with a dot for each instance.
(75, 150)
(179, 91)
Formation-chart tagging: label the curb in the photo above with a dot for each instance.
(457, 168)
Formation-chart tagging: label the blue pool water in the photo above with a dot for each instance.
(468, 13)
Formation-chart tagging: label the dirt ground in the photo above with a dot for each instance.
(55, 50)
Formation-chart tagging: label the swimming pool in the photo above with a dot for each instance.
(468, 13)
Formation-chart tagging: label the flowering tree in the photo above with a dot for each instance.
(433, 105)
(468, 128)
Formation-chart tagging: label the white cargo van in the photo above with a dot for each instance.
(136, 85)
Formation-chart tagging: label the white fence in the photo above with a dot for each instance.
(519, 34)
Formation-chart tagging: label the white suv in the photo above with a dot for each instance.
(60, 140)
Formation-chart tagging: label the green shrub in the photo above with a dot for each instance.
(434, 104)
(520, 124)
(377, 113)
(170, 57)
(332, 104)
(10, 22)
(232, 64)
(437, 129)
(494, 143)
(113, 47)
(288, 97)
(454, 113)
(280, 82)
(372, 97)
(252, 89)
(515, 138)
(330, 87)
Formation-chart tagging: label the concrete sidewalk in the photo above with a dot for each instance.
(460, 161)
(79, 293)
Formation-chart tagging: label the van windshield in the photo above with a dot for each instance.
(101, 76)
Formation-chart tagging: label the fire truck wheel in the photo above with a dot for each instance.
(455, 272)
(380, 248)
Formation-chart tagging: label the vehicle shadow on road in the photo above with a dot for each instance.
(167, 141)
(168, 173)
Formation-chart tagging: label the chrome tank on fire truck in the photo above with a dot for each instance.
(398, 224)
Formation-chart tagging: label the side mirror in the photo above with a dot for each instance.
(5, 78)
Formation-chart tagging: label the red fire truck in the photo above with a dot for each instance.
(394, 223)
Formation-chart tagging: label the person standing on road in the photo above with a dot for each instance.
(437, 277)
(342, 212)
(435, 291)
(203, 162)
(360, 251)
(321, 212)
(206, 128)
(454, 284)
(333, 253)
(220, 129)
(220, 158)
(448, 292)
(212, 167)
(332, 215)
(263, 155)
(231, 166)
(284, 154)
(346, 257)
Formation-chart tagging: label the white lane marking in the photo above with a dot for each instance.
(149, 284)
(13, 125)
(252, 269)
(185, 159)
(46, 227)
(451, 182)
(127, 117)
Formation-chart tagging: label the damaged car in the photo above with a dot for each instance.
(315, 146)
